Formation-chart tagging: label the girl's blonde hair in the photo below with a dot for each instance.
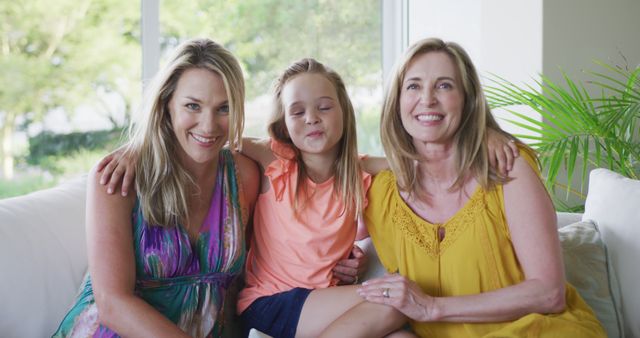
(162, 183)
(346, 168)
(470, 138)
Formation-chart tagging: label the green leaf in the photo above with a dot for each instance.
(578, 129)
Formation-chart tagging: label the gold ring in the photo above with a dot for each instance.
(385, 293)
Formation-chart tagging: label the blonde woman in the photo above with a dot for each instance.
(160, 260)
(470, 253)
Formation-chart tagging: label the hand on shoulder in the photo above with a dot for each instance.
(97, 192)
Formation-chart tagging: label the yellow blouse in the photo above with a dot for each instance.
(475, 256)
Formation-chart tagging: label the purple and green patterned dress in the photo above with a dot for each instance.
(185, 283)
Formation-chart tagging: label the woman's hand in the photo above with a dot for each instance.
(119, 166)
(502, 151)
(401, 293)
(349, 270)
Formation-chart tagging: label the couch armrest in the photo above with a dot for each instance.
(42, 258)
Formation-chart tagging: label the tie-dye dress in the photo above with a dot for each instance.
(186, 283)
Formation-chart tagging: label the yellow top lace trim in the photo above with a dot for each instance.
(425, 234)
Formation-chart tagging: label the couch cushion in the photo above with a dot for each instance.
(587, 268)
(613, 202)
(43, 258)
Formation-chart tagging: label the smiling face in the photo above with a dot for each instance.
(312, 114)
(199, 112)
(431, 98)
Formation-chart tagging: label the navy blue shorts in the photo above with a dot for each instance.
(276, 315)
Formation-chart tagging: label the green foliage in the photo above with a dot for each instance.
(23, 185)
(48, 150)
(53, 169)
(62, 56)
(56, 55)
(77, 163)
(267, 35)
(69, 54)
(579, 130)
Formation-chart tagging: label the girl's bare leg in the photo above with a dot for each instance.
(324, 311)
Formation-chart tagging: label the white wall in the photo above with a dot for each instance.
(518, 40)
(575, 32)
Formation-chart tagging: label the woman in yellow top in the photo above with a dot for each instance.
(472, 253)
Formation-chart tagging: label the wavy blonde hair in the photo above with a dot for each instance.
(470, 138)
(346, 168)
(162, 183)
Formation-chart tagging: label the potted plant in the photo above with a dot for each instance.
(579, 130)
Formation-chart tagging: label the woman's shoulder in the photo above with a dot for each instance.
(241, 160)
(103, 204)
(384, 178)
(248, 177)
(530, 157)
(247, 168)
(383, 187)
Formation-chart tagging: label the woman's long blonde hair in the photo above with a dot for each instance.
(162, 183)
(346, 168)
(470, 138)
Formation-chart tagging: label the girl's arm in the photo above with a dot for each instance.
(119, 166)
(532, 224)
(373, 164)
(112, 267)
(350, 270)
(502, 151)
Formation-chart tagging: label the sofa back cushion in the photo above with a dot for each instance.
(613, 202)
(588, 269)
(43, 258)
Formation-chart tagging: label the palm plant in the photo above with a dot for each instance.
(578, 130)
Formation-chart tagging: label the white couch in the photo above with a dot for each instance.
(43, 248)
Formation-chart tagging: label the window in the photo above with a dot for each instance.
(67, 68)
(268, 35)
(72, 71)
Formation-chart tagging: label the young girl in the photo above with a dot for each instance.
(311, 194)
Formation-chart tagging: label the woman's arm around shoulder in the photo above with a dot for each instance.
(112, 266)
(258, 150)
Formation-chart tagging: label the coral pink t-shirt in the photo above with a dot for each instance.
(289, 250)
